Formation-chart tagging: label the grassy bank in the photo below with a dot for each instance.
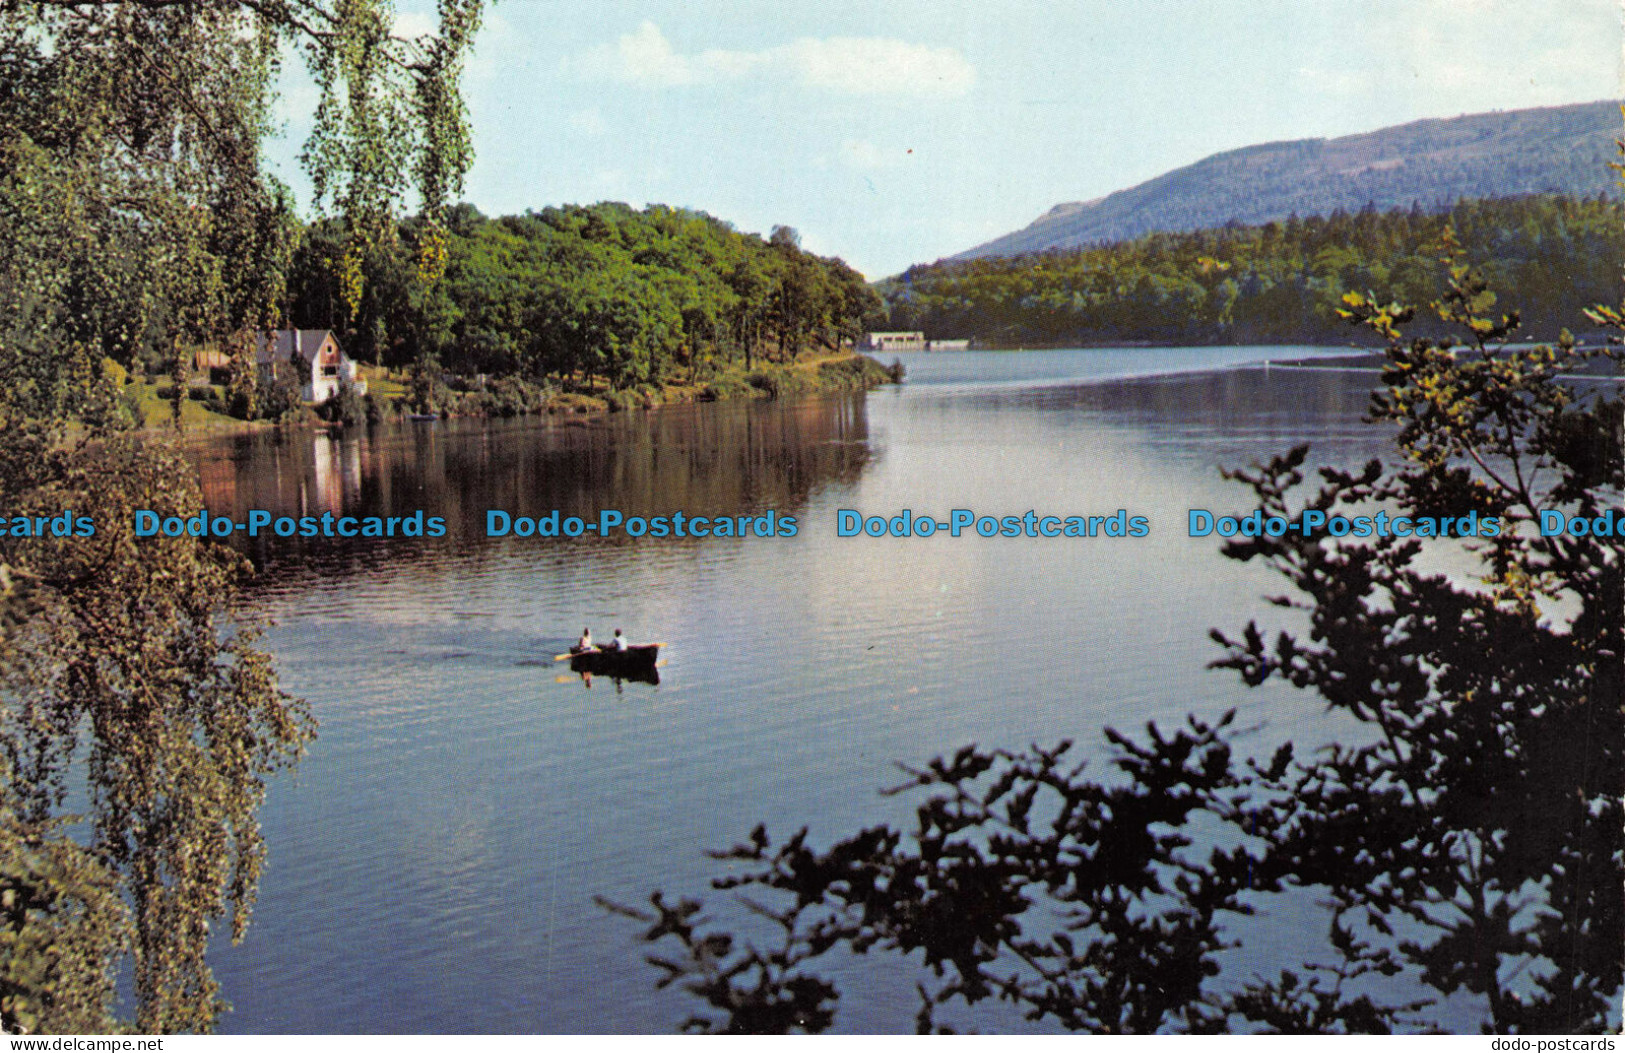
(149, 403)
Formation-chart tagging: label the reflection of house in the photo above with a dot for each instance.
(322, 365)
(337, 467)
(893, 342)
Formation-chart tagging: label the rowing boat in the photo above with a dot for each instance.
(637, 662)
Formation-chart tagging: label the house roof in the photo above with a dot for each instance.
(283, 342)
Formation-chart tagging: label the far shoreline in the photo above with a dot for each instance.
(1582, 339)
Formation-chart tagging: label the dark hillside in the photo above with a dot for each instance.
(1548, 256)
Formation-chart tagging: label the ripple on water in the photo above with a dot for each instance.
(433, 861)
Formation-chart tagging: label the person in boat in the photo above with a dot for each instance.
(619, 643)
(585, 643)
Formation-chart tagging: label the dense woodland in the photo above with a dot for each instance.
(636, 297)
(1549, 255)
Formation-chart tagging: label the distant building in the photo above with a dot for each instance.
(947, 345)
(206, 358)
(892, 342)
(315, 353)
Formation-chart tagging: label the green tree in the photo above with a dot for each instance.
(751, 280)
(125, 675)
(135, 219)
(60, 910)
(1554, 254)
(601, 291)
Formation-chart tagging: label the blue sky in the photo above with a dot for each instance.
(898, 132)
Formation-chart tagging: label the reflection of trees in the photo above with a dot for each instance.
(730, 458)
(1473, 844)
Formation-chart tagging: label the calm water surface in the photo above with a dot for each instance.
(433, 862)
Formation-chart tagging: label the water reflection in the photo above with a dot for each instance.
(641, 676)
(337, 469)
(433, 863)
(729, 459)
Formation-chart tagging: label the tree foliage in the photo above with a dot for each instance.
(636, 297)
(136, 210)
(138, 720)
(60, 910)
(1474, 843)
(127, 676)
(1274, 283)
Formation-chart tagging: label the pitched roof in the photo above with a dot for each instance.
(283, 342)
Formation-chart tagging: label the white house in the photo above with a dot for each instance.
(315, 353)
(910, 341)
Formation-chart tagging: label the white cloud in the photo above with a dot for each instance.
(608, 183)
(848, 65)
(877, 66)
(647, 56)
(492, 50)
(497, 48)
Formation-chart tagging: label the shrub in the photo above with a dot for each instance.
(346, 406)
(620, 401)
(727, 387)
(770, 384)
(573, 402)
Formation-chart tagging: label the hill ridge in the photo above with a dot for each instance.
(1432, 161)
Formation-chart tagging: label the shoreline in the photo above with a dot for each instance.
(819, 375)
(1584, 339)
